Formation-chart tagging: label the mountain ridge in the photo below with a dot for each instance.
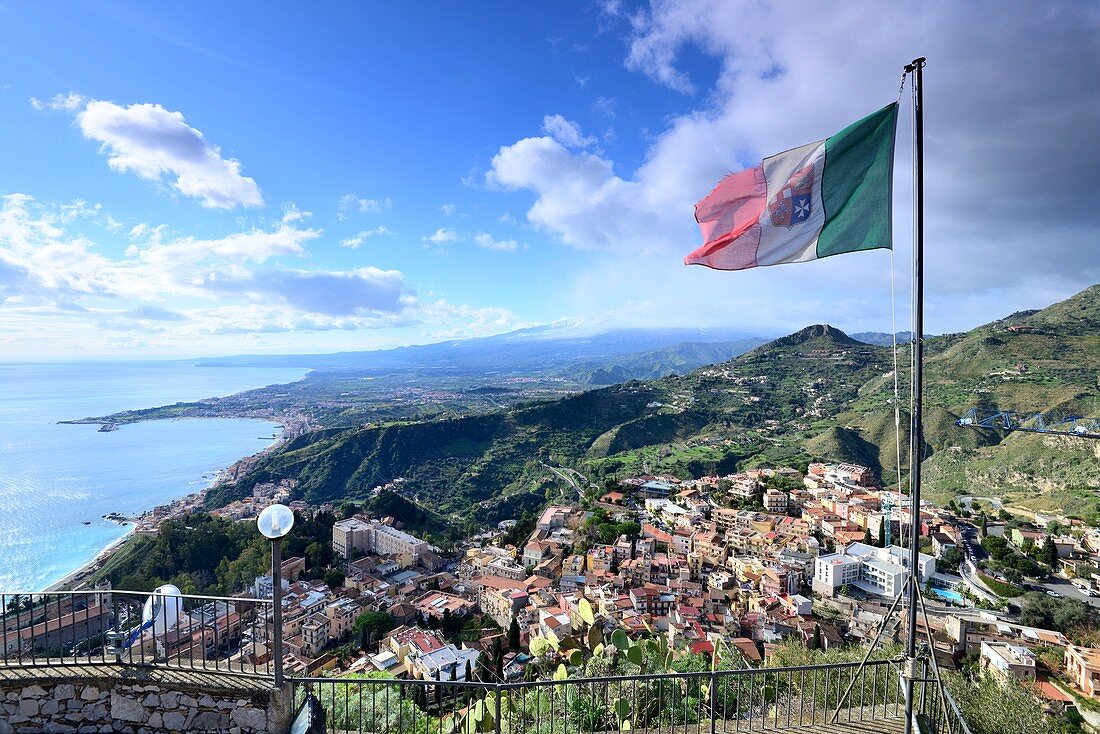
(816, 394)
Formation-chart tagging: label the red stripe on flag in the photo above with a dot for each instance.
(729, 218)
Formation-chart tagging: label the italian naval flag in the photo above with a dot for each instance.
(820, 199)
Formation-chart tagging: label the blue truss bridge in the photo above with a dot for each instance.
(1011, 420)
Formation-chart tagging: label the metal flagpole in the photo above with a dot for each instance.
(915, 428)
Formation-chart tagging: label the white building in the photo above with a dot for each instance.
(374, 537)
(1007, 661)
(879, 571)
(445, 664)
(264, 587)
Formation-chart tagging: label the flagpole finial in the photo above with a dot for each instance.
(912, 65)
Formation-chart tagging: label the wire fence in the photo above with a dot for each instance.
(136, 628)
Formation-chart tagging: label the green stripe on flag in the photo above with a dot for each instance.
(856, 185)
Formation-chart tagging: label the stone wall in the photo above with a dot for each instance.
(136, 705)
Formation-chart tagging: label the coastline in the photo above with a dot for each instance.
(74, 580)
(71, 581)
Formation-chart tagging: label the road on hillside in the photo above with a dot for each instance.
(972, 543)
(561, 473)
(1060, 586)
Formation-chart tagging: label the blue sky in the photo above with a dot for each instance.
(217, 178)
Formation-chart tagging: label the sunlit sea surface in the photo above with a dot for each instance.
(54, 478)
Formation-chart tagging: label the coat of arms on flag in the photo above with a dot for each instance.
(794, 201)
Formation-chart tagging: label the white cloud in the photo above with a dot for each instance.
(486, 241)
(442, 236)
(362, 291)
(353, 203)
(291, 213)
(357, 240)
(448, 209)
(566, 132)
(579, 198)
(154, 144)
(70, 102)
(78, 208)
(59, 294)
(605, 106)
(789, 74)
(449, 321)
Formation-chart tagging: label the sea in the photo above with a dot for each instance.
(58, 481)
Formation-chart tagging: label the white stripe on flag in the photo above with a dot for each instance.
(797, 243)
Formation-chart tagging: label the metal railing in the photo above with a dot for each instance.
(100, 627)
(934, 702)
(234, 635)
(762, 699)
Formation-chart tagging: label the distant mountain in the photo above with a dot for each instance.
(652, 365)
(817, 394)
(818, 332)
(536, 349)
(883, 339)
(494, 462)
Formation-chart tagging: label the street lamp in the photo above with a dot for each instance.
(274, 523)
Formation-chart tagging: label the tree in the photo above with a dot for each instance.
(513, 634)
(816, 643)
(377, 623)
(334, 578)
(365, 640)
(1048, 554)
(984, 525)
(882, 533)
(867, 536)
(1061, 615)
(315, 555)
(484, 668)
(469, 672)
(951, 558)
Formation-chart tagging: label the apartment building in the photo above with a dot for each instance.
(776, 501)
(502, 604)
(357, 534)
(879, 571)
(1083, 669)
(1007, 662)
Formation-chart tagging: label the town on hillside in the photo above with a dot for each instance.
(733, 567)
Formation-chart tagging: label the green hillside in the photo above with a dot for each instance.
(491, 461)
(815, 394)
